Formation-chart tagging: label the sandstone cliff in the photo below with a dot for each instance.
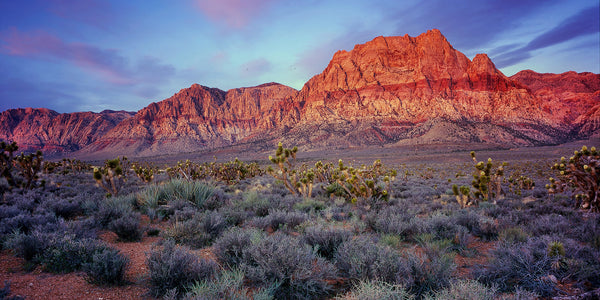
(41, 128)
(389, 91)
(199, 117)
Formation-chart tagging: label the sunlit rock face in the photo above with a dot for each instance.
(47, 130)
(199, 117)
(421, 90)
(389, 91)
(571, 99)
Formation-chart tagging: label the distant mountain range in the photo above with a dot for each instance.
(389, 91)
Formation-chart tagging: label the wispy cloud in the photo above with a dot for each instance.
(467, 24)
(109, 64)
(583, 23)
(232, 13)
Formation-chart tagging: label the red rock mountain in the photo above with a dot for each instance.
(389, 91)
(197, 118)
(41, 128)
(378, 92)
(572, 99)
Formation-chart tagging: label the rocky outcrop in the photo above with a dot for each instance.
(386, 86)
(570, 99)
(199, 117)
(389, 91)
(47, 130)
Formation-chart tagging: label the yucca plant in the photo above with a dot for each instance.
(581, 175)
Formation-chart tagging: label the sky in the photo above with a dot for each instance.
(92, 55)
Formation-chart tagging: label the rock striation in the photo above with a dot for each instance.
(52, 132)
(390, 91)
(199, 117)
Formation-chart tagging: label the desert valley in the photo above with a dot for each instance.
(404, 170)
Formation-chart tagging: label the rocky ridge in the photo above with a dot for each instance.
(52, 132)
(389, 91)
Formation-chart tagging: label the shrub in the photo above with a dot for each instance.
(427, 273)
(464, 289)
(27, 246)
(257, 203)
(198, 231)
(396, 221)
(175, 268)
(441, 226)
(230, 247)
(67, 254)
(376, 290)
(66, 209)
(525, 265)
(195, 192)
(113, 208)
(284, 260)
(229, 285)
(362, 258)
(513, 235)
(107, 267)
(550, 225)
(278, 219)
(128, 227)
(25, 222)
(487, 229)
(326, 240)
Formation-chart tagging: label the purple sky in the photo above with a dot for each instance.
(91, 55)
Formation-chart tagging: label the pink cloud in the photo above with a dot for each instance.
(107, 63)
(234, 13)
(40, 44)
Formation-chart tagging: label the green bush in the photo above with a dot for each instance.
(195, 192)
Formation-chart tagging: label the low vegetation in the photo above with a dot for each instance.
(294, 230)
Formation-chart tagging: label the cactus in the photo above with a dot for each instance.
(362, 183)
(112, 176)
(518, 183)
(144, 172)
(29, 166)
(6, 161)
(462, 195)
(487, 180)
(229, 172)
(296, 180)
(581, 175)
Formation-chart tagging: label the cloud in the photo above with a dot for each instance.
(40, 44)
(468, 24)
(583, 23)
(233, 13)
(255, 68)
(111, 66)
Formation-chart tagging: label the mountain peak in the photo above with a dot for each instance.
(389, 90)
